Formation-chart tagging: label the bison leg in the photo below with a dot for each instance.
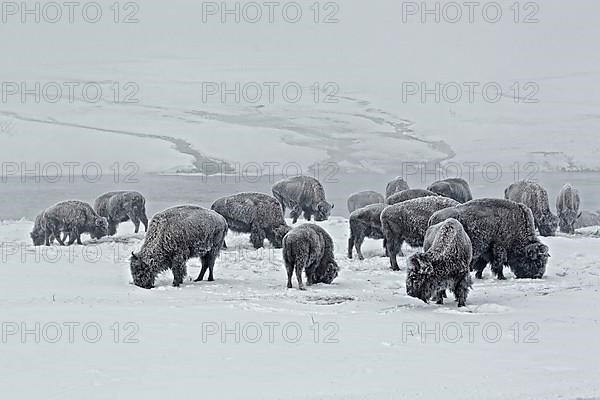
(299, 276)
(179, 271)
(136, 223)
(350, 245)
(461, 290)
(208, 262)
(307, 215)
(257, 237)
(478, 266)
(394, 248)
(438, 297)
(295, 214)
(500, 258)
(358, 245)
(290, 272)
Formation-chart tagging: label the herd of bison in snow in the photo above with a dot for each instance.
(458, 234)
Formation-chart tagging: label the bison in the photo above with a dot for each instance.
(255, 213)
(502, 232)
(567, 206)
(122, 206)
(174, 236)
(408, 221)
(398, 184)
(309, 248)
(365, 223)
(444, 264)
(363, 199)
(535, 197)
(73, 218)
(303, 194)
(454, 188)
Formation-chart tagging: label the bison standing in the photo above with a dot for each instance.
(255, 213)
(454, 188)
(445, 264)
(408, 221)
(535, 197)
(398, 184)
(122, 206)
(74, 218)
(363, 199)
(365, 223)
(502, 232)
(303, 194)
(567, 205)
(309, 248)
(174, 236)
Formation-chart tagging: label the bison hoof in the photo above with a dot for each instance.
(302, 288)
(395, 268)
(479, 275)
(211, 279)
(289, 286)
(361, 258)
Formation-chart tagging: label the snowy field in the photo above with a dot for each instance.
(101, 337)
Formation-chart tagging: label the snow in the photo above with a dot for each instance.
(540, 339)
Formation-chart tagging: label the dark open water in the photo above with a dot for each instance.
(25, 200)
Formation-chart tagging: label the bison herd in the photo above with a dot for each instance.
(458, 234)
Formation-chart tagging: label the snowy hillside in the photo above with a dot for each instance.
(360, 338)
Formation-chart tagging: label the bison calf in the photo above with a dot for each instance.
(445, 264)
(309, 248)
(365, 223)
(174, 236)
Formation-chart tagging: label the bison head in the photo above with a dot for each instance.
(532, 263)
(38, 237)
(567, 220)
(100, 228)
(418, 282)
(141, 272)
(330, 273)
(277, 234)
(323, 211)
(548, 224)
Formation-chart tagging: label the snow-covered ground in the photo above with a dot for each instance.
(360, 338)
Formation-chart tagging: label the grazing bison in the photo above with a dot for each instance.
(445, 264)
(174, 236)
(395, 186)
(408, 195)
(74, 218)
(365, 223)
(454, 188)
(38, 234)
(502, 232)
(303, 194)
(536, 198)
(567, 205)
(588, 218)
(363, 199)
(123, 206)
(310, 248)
(255, 213)
(408, 221)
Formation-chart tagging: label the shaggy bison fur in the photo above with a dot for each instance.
(398, 184)
(409, 194)
(174, 236)
(363, 199)
(567, 206)
(535, 197)
(303, 194)
(444, 264)
(122, 206)
(408, 221)
(309, 248)
(502, 232)
(255, 213)
(73, 218)
(454, 188)
(365, 223)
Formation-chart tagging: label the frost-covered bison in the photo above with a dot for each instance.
(445, 264)
(398, 184)
(122, 206)
(303, 194)
(588, 218)
(567, 206)
(454, 188)
(309, 248)
(365, 223)
(408, 222)
(363, 199)
(38, 233)
(502, 232)
(535, 197)
(73, 218)
(174, 236)
(258, 214)
(408, 195)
